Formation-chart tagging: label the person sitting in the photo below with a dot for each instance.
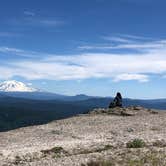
(117, 102)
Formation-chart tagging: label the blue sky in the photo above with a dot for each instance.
(95, 47)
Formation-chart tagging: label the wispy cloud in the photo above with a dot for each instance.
(132, 46)
(49, 22)
(9, 34)
(116, 39)
(129, 42)
(30, 19)
(126, 38)
(19, 52)
(135, 37)
(29, 13)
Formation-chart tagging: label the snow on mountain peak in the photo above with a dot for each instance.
(15, 86)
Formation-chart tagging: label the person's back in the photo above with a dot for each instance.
(117, 102)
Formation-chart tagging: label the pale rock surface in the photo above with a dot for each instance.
(83, 138)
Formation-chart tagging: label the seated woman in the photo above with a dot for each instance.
(117, 102)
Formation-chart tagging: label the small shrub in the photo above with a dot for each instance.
(130, 130)
(136, 143)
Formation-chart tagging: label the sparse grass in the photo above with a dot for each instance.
(151, 158)
(132, 162)
(85, 151)
(17, 160)
(98, 150)
(106, 147)
(154, 159)
(154, 128)
(56, 132)
(55, 152)
(159, 143)
(136, 143)
(98, 163)
(153, 112)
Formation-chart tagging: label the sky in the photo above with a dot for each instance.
(93, 47)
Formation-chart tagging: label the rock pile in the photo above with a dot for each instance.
(124, 111)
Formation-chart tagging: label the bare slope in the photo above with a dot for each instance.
(100, 135)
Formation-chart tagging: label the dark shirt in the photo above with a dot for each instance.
(118, 101)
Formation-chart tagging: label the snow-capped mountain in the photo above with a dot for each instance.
(15, 86)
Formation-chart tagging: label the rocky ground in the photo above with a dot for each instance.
(122, 136)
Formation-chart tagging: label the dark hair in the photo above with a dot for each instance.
(119, 95)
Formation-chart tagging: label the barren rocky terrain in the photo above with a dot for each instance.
(121, 136)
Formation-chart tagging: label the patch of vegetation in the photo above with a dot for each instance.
(54, 151)
(86, 151)
(156, 158)
(98, 163)
(130, 130)
(57, 132)
(135, 162)
(17, 160)
(136, 143)
(151, 158)
(154, 128)
(153, 112)
(159, 143)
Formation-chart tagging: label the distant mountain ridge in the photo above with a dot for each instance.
(27, 106)
(18, 89)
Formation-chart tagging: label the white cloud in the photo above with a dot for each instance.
(127, 77)
(117, 66)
